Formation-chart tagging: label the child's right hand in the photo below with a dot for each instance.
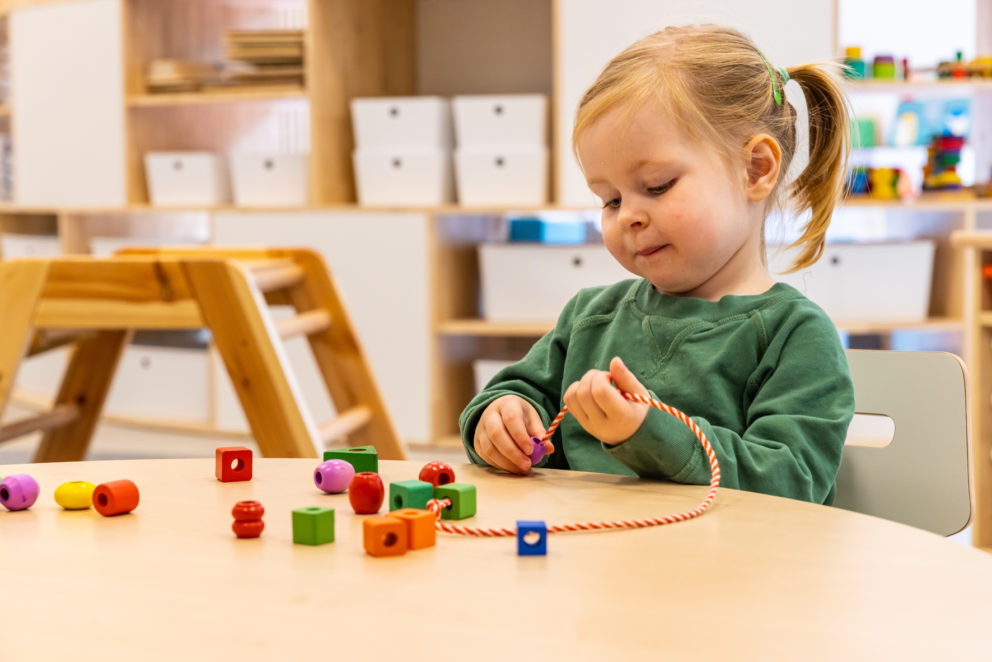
(502, 437)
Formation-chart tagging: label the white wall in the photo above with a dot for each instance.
(591, 32)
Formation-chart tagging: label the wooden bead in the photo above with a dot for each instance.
(233, 464)
(462, 497)
(75, 495)
(247, 519)
(115, 498)
(532, 538)
(421, 529)
(18, 492)
(366, 493)
(333, 476)
(384, 536)
(363, 458)
(313, 525)
(437, 473)
(410, 494)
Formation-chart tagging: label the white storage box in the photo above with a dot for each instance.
(163, 383)
(28, 245)
(269, 180)
(514, 119)
(403, 177)
(526, 283)
(187, 178)
(484, 370)
(883, 282)
(502, 176)
(391, 122)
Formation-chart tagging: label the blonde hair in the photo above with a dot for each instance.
(718, 87)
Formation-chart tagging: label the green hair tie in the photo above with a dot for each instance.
(776, 93)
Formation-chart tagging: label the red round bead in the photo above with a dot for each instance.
(437, 473)
(366, 493)
(251, 528)
(247, 519)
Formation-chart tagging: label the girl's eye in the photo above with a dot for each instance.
(658, 190)
(612, 204)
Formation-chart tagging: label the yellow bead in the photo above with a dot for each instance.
(75, 495)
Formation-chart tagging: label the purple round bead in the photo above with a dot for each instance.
(539, 450)
(333, 476)
(18, 492)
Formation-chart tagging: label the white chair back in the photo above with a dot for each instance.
(921, 478)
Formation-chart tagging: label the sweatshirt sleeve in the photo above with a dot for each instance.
(801, 405)
(536, 378)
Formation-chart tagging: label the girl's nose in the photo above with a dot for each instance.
(632, 217)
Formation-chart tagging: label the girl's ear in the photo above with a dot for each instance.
(763, 160)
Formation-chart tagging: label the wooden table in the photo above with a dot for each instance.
(756, 577)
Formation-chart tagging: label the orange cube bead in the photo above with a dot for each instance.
(421, 530)
(384, 536)
(115, 498)
(232, 464)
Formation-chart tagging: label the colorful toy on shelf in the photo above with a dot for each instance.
(857, 181)
(882, 183)
(854, 66)
(247, 519)
(233, 464)
(75, 495)
(18, 492)
(883, 67)
(940, 171)
(115, 498)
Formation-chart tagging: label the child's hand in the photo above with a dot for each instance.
(502, 437)
(601, 409)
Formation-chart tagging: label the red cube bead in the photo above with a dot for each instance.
(115, 498)
(233, 464)
(437, 473)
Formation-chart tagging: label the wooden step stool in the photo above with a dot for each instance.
(98, 303)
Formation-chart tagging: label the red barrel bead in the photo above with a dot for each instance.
(366, 493)
(115, 498)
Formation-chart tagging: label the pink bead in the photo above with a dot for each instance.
(333, 476)
(18, 492)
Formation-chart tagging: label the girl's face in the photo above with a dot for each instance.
(673, 211)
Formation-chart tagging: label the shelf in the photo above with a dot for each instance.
(898, 85)
(482, 328)
(278, 93)
(950, 201)
(478, 327)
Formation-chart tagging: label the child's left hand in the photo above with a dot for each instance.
(600, 408)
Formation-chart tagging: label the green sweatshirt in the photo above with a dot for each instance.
(764, 376)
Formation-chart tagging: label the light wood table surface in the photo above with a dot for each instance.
(756, 577)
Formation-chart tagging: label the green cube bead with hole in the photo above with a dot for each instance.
(410, 494)
(363, 458)
(462, 497)
(313, 525)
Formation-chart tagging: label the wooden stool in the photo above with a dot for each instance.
(98, 303)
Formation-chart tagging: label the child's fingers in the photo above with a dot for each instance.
(489, 452)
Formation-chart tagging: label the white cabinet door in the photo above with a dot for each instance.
(591, 32)
(67, 95)
(379, 263)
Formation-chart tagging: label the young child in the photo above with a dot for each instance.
(685, 137)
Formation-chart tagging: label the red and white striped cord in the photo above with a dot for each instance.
(436, 505)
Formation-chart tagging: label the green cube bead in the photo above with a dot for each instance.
(410, 494)
(462, 497)
(313, 525)
(363, 458)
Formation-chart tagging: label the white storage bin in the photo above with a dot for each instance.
(403, 177)
(187, 178)
(164, 383)
(526, 283)
(484, 370)
(502, 176)
(391, 122)
(28, 245)
(269, 180)
(884, 282)
(512, 119)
